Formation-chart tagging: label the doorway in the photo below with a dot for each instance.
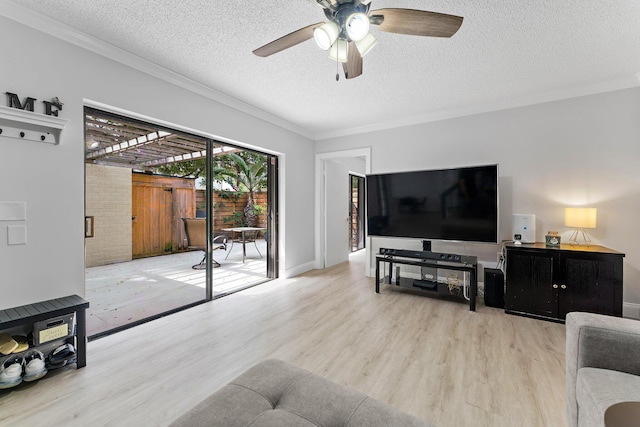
(329, 238)
(141, 181)
(356, 212)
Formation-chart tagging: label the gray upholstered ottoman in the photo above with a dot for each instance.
(276, 394)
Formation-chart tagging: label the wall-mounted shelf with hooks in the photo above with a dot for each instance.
(30, 126)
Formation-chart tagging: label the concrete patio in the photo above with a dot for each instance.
(128, 292)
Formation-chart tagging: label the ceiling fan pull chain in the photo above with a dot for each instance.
(337, 69)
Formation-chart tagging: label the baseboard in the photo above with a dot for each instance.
(631, 310)
(299, 269)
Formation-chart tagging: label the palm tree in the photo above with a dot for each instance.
(243, 174)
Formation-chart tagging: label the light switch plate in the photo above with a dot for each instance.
(16, 234)
(13, 211)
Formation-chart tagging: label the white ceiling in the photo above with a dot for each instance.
(506, 53)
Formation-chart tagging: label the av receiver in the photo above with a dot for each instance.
(428, 255)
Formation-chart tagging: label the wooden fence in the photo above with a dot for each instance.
(158, 206)
(160, 203)
(227, 203)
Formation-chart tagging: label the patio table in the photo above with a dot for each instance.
(243, 231)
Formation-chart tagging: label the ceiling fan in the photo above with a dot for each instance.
(347, 38)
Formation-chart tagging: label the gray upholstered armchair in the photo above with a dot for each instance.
(603, 365)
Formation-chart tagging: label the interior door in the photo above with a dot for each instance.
(336, 205)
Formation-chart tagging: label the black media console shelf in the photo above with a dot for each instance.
(26, 316)
(429, 260)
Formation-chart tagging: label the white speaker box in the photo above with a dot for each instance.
(524, 228)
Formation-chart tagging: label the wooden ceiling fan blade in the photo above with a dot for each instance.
(285, 42)
(353, 67)
(416, 22)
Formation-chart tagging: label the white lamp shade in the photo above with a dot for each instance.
(580, 217)
(357, 26)
(338, 51)
(366, 44)
(326, 35)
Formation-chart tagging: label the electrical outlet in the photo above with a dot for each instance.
(499, 257)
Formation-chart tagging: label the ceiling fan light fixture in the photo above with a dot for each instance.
(366, 44)
(338, 51)
(326, 35)
(357, 26)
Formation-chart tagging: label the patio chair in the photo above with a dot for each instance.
(245, 237)
(196, 231)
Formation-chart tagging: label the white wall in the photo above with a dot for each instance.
(349, 165)
(582, 151)
(51, 178)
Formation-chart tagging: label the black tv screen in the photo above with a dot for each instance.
(458, 204)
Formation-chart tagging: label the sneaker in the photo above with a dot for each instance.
(62, 356)
(11, 371)
(34, 366)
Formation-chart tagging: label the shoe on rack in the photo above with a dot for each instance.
(34, 368)
(7, 344)
(11, 371)
(23, 343)
(62, 356)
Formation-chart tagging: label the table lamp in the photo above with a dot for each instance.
(580, 218)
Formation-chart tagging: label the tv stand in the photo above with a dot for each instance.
(429, 262)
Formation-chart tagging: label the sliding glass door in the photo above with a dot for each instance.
(170, 212)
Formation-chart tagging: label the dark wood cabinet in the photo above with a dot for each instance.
(550, 282)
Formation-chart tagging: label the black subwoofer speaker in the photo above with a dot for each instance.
(493, 288)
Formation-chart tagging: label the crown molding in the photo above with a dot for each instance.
(567, 93)
(61, 31)
(68, 34)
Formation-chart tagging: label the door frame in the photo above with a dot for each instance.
(320, 197)
(210, 140)
(362, 202)
(273, 217)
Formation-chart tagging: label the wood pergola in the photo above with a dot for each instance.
(118, 141)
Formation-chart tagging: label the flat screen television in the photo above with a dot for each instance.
(459, 204)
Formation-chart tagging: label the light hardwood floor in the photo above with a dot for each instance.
(429, 357)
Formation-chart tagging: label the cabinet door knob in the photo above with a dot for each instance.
(563, 286)
(555, 286)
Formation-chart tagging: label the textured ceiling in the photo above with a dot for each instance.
(507, 52)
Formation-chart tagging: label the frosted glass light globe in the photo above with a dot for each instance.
(357, 26)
